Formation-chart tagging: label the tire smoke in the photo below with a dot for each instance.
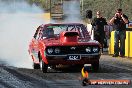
(18, 22)
(71, 9)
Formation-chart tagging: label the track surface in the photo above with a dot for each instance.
(13, 77)
(110, 68)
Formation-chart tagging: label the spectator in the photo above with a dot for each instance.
(119, 21)
(98, 25)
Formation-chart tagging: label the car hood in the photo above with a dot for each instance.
(69, 38)
(58, 42)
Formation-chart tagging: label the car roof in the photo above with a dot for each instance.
(63, 24)
(49, 24)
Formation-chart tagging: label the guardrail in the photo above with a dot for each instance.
(128, 44)
(110, 35)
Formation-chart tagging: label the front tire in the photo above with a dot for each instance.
(44, 67)
(36, 66)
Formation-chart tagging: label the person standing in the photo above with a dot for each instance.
(98, 24)
(119, 21)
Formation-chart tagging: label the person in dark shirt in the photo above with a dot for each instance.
(119, 21)
(98, 24)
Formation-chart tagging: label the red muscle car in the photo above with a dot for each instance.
(66, 44)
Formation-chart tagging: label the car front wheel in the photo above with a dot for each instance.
(44, 66)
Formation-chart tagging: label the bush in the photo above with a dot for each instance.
(108, 7)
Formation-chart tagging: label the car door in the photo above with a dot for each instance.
(37, 40)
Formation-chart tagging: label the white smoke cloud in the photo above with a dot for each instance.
(18, 24)
(72, 11)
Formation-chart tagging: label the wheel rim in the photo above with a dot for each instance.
(41, 64)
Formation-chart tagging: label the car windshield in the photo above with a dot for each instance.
(56, 29)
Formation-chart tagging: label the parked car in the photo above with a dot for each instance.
(65, 44)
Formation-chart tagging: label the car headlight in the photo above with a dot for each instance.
(95, 49)
(50, 50)
(88, 49)
(57, 50)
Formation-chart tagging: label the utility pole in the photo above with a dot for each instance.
(61, 1)
(50, 8)
(46, 4)
(82, 6)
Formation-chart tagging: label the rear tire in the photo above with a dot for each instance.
(36, 66)
(95, 66)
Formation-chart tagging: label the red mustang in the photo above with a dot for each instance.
(66, 44)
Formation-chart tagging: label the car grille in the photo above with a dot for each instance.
(74, 49)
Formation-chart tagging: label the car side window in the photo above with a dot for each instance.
(35, 35)
(38, 33)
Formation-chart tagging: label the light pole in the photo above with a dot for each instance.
(82, 6)
(50, 8)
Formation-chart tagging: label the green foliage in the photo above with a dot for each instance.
(45, 4)
(108, 7)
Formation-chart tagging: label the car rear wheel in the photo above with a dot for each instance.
(36, 66)
(44, 66)
(95, 66)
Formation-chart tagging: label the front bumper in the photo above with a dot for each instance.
(62, 59)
